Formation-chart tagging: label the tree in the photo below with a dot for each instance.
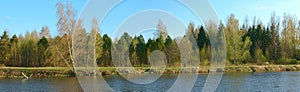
(133, 51)
(245, 51)
(141, 50)
(168, 45)
(99, 50)
(14, 43)
(186, 49)
(66, 26)
(259, 57)
(168, 41)
(297, 51)
(234, 41)
(4, 48)
(150, 45)
(43, 46)
(56, 58)
(174, 54)
(159, 43)
(34, 47)
(106, 57)
(288, 36)
(27, 50)
(20, 50)
(261, 40)
(82, 46)
(162, 30)
(121, 50)
(266, 41)
(202, 38)
(274, 48)
(95, 51)
(45, 32)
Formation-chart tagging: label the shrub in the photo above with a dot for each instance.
(2, 65)
(259, 57)
(285, 60)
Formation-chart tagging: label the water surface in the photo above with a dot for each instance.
(270, 81)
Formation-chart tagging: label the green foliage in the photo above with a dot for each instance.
(256, 43)
(14, 43)
(44, 43)
(142, 51)
(168, 49)
(259, 57)
(159, 43)
(237, 48)
(202, 38)
(106, 57)
(285, 60)
(4, 48)
(43, 46)
(246, 56)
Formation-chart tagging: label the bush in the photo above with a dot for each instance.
(285, 60)
(205, 63)
(297, 54)
(259, 57)
(294, 61)
(2, 65)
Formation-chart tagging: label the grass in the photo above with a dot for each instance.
(138, 68)
(36, 68)
(99, 68)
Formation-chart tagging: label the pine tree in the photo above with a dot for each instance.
(106, 57)
(43, 46)
(168, 49)
(141, 50)
(4, 48)
(201, 40)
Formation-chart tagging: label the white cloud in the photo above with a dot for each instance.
(261, 8)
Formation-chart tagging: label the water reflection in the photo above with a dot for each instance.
(46, 84)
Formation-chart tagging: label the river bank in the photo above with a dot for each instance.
(34, 72)
(46, 72)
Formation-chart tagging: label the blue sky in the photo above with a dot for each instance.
(19, 16)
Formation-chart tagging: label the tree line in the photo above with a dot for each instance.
(277, 42)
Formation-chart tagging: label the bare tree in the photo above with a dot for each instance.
(66, 25)
(45, 32)
(162, 30)
(288, 35)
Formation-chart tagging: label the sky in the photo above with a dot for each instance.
(19, 16)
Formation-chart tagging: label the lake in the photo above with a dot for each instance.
(270, 81)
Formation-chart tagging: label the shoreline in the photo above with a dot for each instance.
(53, 72)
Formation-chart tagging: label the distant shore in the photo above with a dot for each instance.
(52, 72)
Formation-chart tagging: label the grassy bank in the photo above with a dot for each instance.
(45, 72)
(41, 72)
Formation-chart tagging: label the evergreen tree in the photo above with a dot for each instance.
(275, 47)
(4, 48)
(43, 46)
(106, 57)
(201, 40)
(141, 51)
(168, 49)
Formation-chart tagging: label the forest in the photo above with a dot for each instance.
(277, 42)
